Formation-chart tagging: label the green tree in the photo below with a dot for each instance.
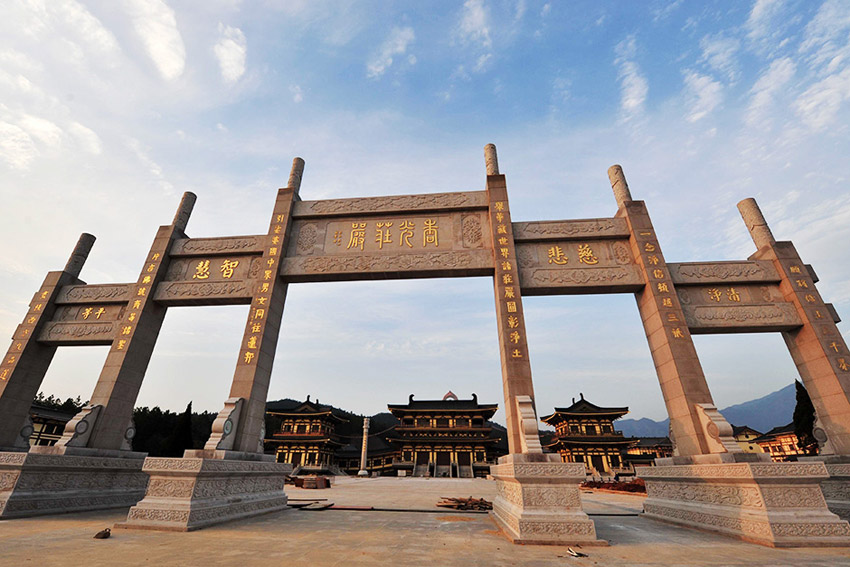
(181, 436)
(804, 421)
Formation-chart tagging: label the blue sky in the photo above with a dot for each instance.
(110, 110)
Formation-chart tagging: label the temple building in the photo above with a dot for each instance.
(781, 443)
(445, 438)
(584, 433)
(306, 436)
(644, 451)
(746, 438)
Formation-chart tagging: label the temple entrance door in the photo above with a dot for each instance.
(444, 464)
(296, 459)
(421, 464)
(464, 462)
(598, 464)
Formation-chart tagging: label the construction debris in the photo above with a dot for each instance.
(465, 503)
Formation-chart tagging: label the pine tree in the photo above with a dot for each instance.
(181, 438)
(804, 421)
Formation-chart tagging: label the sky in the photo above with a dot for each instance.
(110, 110)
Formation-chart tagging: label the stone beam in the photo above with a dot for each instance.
(398, 204)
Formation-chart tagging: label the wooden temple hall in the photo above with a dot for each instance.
(436, 438)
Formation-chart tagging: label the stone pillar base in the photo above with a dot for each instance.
(836, 488)
(538, 501)
(773, 504)
(50, 480)
(194, 492)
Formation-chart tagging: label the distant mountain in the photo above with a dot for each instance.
(762, 414)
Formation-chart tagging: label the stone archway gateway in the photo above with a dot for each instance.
(710, 483)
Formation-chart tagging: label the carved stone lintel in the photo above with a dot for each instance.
(528, 423)
(773, 504)
(718, 432)
(538, 501)
(79, 429)
(224, 427)
(191, 493)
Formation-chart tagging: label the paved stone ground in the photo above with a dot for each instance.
(355, 538)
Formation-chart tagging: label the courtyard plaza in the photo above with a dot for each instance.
(405, 529)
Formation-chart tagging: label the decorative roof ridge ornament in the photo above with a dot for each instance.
(451, 396)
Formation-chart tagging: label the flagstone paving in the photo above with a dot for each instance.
(353, 538)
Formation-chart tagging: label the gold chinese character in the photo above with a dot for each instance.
(507, 279)
(264, 287)
(277, 229)
(652, 259)
(842, 364)
(252, 342)
(667, 302)
(585, 255)
(511, 306)
(279, 218)
(500, 217)
(31, 320)
(256, 328)
(267, 274)
(146, 279)
(501, 229)
(671, 317)
(504, 252)
(155, 257)
(503, 241)
(514, 337)
(733, 295)
(137, 303)
(4, 374)
(513, 322)
(516, 353)
(87, 311)
(406, 233)
(818, 315)
(202, 270)
(649, 247)
(506, 266)
(227, 267)
(429, 236)
(273, 251)
(802, 283)
(249, 356)
(276, 240)
(662, 287)
(382, 234)
(358, 235)
(142, 291)
(834, 346)
(556, 256)
(678, 334)
(37, 307)
(126, 330)
(261, 300)
(500, 205)
(19, 346)
(259, 313)
(11, 360)
(120, 345)
(26, 332)
(131, 317)
(658, 274)
(270, 262)
(44, 294)
(509, 293)
(151, 268)
(337, 237)
(810, 298)
(714, 294)
(795, 269)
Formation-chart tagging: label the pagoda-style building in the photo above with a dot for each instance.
(306, 437)
(444, 438)
(584, 433)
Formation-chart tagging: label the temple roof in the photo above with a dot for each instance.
(449, 402)
(306, 408)
(583, 409)
(776, 432)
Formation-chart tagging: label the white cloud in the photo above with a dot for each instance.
(156, 25)
(297, 93)
(763, 25)
(42, 130)
(703, 95)
(719, 52)
(473, 33)
(664, 11)
(765, 89)
(634, 87)
(87, 139)
(231, 51)
(818, 106)
(396, 44)
(16, 147)
(88, 28)
(826, 36)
